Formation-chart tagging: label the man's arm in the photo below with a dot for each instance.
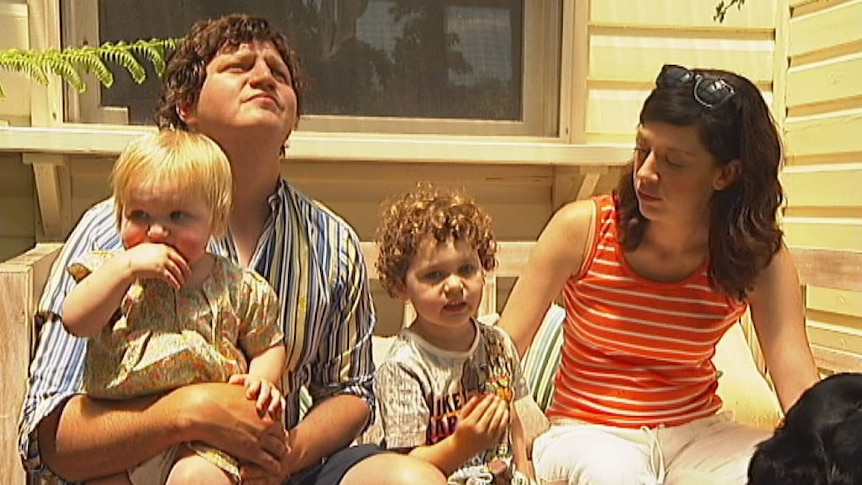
(342, 385)
(86, 438)
(330, 426)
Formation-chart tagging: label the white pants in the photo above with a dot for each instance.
(709, 451)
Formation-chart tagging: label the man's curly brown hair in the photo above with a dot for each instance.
(427, 211)
(187, 64)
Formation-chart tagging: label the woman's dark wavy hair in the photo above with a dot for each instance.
(427, 211)
(186, 65)
(743, 231)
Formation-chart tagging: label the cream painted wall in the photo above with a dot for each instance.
(822, 129)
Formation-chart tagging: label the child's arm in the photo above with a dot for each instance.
(264, 371)
(94, 300)
(480, 423)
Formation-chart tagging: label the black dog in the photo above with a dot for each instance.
(820, 441)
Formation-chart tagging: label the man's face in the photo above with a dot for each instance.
(249, 87)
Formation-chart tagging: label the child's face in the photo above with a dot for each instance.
(444, 282)
(155, 215)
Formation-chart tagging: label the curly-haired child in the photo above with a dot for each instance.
(447, 386)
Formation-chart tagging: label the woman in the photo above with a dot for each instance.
(652, 276)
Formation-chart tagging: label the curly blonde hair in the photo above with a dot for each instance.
(411, 218)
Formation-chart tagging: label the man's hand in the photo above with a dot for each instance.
(481, 422)
(219, 414)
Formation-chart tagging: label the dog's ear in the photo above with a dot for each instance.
(843, 446)
(788, 459)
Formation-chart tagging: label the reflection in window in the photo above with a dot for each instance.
(444, 59)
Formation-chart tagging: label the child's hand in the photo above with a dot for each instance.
(266, 395)
(481, 422)
(157, 261)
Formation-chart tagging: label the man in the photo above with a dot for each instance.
(235, 80)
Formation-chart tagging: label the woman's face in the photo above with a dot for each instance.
(674, 174)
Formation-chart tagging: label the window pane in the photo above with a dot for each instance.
(441, 59)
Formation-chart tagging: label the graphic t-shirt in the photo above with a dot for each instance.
(421, 389)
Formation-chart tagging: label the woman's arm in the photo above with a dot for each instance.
(778, 315)
(519, 445)
(558, 254)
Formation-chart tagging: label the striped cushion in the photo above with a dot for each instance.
(543, 357)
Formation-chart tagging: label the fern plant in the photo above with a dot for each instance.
(71, 63)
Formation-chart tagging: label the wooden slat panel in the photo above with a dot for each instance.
(682, 13)
(614, 112)
(824, 233)
(834, 361)
(828, 268)
(837, 337)
(834, 133)
(829, 300)
(825, 82)
(623, 58)
(825, 188)
(826, 28)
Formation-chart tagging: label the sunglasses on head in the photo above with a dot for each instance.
(709, 91)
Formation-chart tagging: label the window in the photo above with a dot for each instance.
(477, 67)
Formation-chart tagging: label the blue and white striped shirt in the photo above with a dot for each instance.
(308, 254)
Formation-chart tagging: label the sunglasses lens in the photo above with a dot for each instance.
(712, 92)
(672, 75)
(709, 92)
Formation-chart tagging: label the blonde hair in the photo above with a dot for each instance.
(190, 163)
(427, 212)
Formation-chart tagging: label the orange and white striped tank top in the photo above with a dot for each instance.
(637, 352)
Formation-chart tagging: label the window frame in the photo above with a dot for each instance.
(49, 133)
(542, 36)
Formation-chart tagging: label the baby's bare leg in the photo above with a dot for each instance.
(118, 479)
(193, 468)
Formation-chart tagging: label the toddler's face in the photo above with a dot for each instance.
(444, 282)
(155, 215)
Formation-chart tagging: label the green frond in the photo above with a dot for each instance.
(120, 53)
(59, 64)
(155, 51)
(72, 62)
(87, 59)
(23, 62)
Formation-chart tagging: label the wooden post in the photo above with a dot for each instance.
(21, 281)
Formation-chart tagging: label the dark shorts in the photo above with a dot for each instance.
(333, 469)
